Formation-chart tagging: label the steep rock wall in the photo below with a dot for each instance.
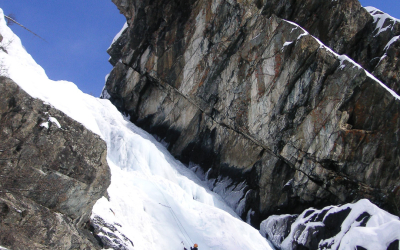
(276, 120)
(52, 171)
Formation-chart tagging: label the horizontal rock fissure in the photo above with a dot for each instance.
(159, 82)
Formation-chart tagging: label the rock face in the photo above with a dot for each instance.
(353, 226)
(52, 171)
(348, 28)
(277, 121)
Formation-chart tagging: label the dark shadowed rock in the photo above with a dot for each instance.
(52, 171)
(394, 245)
(276, 120)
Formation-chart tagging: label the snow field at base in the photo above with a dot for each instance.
(154, 200)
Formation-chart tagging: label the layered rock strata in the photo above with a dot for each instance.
(276, 120)
(52, 171)
(368, 36)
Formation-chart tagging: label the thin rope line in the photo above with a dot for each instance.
(174, 216)
(181, 225)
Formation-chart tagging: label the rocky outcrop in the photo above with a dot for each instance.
(52, 171)
(353, 226)
(277, 121)
(109, 235)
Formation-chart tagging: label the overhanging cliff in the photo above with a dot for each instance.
(276, 120)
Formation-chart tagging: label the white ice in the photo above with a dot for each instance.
(158, 202)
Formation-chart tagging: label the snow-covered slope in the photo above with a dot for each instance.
(154, 200)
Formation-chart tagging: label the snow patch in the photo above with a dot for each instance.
(286, 44)
(394, 39)
(55, 121)
(52, 120)
(381, 19)
(293, 29)
(45, 125)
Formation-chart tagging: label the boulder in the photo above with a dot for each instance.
(52, 171)
(352, 226)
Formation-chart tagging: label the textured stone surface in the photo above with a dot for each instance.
(27, 225)
(277, 228)
(276, 120)
(109, 235)
(52, 171)
(347, 28)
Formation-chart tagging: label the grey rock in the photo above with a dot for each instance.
(28, 225)
(276, 120)
(52, 171)
(109, 235)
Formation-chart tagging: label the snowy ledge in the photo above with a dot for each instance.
(119, 34)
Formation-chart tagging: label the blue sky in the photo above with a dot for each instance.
(78, 33)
